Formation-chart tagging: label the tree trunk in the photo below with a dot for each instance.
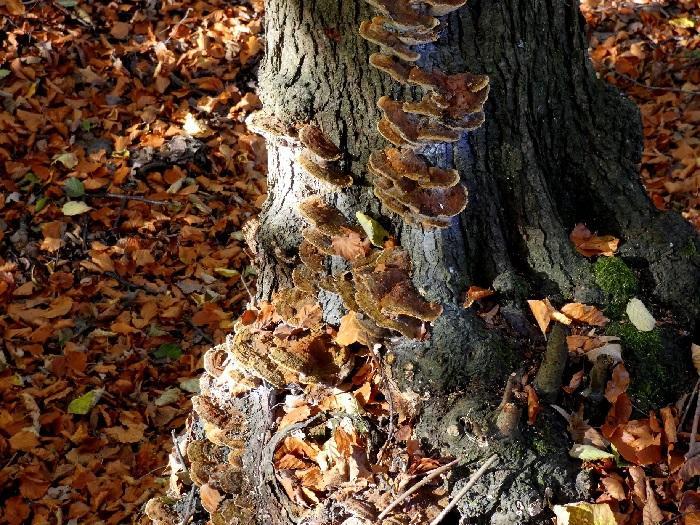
(558, 148)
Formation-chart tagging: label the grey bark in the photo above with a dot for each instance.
(558, 147)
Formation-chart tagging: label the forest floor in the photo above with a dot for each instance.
(127, 174)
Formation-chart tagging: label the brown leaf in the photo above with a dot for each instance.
(475, 293)
(210, 497)
(590, 245)
(584, 314)
(651, 514)
(614, 487)
(350, 330)
(533, 405)
(574, 383)
(350, 246)
(542, 311)
(618, 383)
(670, 424)
(690, 468)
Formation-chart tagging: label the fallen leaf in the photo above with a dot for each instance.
(69, 160)
(584, 314)
(589, 453)
(590, 245)
(651, 514)
(350, 246)
(614, 487)
(350, 330)
(574, 383)
(83, 404)
(683, 22)
(71, 208)
(210, 497)
(583, 513)
(618, 383)
(695, 351)
(375, 232)
(476, 293)
(533, 405)
(639, 316)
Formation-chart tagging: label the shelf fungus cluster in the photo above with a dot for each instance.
(378, 283)
(319, 157)
(450, 104)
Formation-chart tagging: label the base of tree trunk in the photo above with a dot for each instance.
(558, 148)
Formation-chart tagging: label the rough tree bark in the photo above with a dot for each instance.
(558, 147)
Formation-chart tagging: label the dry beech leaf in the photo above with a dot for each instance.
(590, 245)
(349, 330)
(584, 314)
(533, 405)
(476, 293)
(210, 497)
(651, 514)
(350, 246)
(618, 383)
(574, 383)
(583, 513)
(695, 352)
(542, 312)
(614, 487)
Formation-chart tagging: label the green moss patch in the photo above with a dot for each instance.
(658, 370)
(617, 280)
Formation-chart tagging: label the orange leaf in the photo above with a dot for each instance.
(475, 293)
(669, 424)
(584, 314)
(589, 245)
(349, 331)
(574, 383)
(613, 486)
(350, 246)
(618, 383)
(210, 497)
(542, 312)
(533, 405)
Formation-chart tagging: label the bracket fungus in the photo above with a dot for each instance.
(415, 129)
(391, 66)
(314, 139)
(323, 171)
(404, 15)
(376, 32)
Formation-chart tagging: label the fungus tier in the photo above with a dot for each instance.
(402, 179)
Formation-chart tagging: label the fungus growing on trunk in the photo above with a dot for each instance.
(323, 171)
(391, 66)
(404, 15)
(314, 139)
(375, 32)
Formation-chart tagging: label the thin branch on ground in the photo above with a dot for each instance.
(403, 496)
(692, 446)
(130, 198)
(655, 88)
(472, 480)
(688, 404)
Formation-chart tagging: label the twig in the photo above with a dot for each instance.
(652, 88)
(688, 405)
(189, 506)
(472, 480)
(692, 447)
(73, 16)
(176, 445)
(250, 295)
(403, 496)
(130, 198)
